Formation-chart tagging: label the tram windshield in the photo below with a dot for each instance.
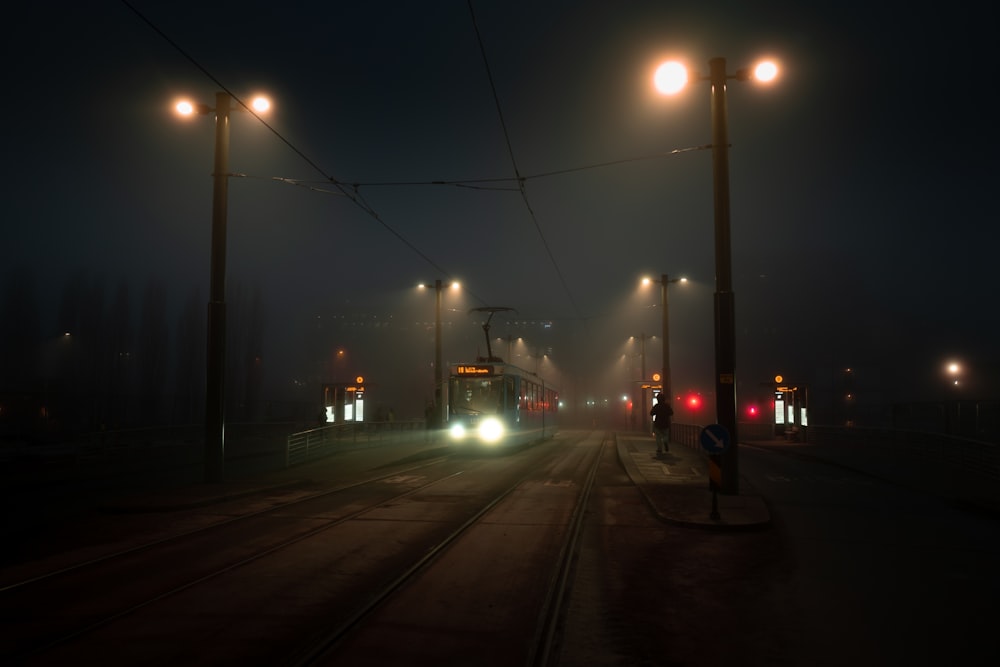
(476, 395)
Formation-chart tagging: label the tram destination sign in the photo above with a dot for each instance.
(474, 369)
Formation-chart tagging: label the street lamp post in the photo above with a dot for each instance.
(439, 407)
(725, 313)
(642, 381)
(215, 420)
(215, 393)
(666, 389)
(438, 377)
(670, 78)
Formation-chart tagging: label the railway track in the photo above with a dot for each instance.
(307, 581)
(453, 575)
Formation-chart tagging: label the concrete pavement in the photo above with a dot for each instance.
(675, 485)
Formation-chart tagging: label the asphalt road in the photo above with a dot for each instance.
(875, 573)
(854, 571)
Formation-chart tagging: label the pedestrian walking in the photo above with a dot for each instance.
(661, 414)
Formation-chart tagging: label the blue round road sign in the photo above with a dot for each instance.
(714, 438)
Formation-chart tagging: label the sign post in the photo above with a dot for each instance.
(715, 440)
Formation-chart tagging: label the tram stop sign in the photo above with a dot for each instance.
(714, 438)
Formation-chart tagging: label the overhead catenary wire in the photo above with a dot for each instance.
(351, 193)
(513, 160)
(351, 190)
(482, 183)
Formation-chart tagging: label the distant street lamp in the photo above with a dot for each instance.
(955, 372)
(509, 339)
(669, 79)
(216, 361)
(666, 389)
(438, 377)
(642, 379)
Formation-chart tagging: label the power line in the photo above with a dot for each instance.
(352, 190)
(481, 183)
(351, 194)
(510, 151)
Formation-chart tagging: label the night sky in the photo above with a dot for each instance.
(862, 183)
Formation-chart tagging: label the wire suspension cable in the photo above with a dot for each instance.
(510, 151)
(476, 183)
(351, 194)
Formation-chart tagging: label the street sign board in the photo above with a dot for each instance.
(714, 438)
(714, 472)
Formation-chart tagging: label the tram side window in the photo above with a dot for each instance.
(509, 394)
(551, 400)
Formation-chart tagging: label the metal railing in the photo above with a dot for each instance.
(317, 443)
(973, 457)
(971, 461)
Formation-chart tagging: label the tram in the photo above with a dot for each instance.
(499, 404)
(496, 404)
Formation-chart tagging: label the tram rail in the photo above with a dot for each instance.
(80, 606)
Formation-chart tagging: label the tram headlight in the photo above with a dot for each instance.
(491, 430)
(457, 431)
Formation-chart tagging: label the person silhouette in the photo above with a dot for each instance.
(661, 413)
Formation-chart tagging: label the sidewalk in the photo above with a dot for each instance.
(675, 485)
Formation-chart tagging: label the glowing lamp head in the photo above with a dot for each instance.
(491, 430)
(260, 104)
(765, 71)
(670, 77)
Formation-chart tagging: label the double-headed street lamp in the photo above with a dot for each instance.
(439, 408)
(670, 78)
(215, 419)
(666, 389)
(642, 379)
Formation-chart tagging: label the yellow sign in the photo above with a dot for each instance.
(726, 378)
(473, 370)
(714, 472)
